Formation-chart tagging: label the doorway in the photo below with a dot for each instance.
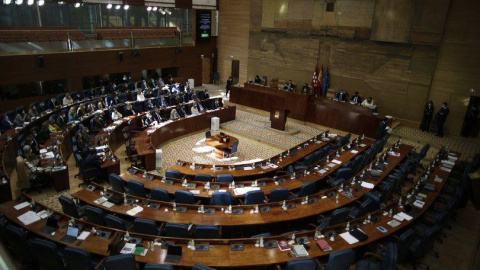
(235, 71)
(471, 122)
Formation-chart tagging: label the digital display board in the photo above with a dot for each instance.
(204, 25)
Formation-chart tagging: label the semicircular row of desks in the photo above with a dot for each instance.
(394, 215)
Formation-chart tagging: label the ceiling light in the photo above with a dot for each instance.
(168, 11)
(126, 7)
(18, 2)
(30, 2)
(118, 6)
(162, 11)
(41, 2)
(109, 6)
(61, 3)
(154, 8)
(7, 2)
(77, 5)
(149, 8)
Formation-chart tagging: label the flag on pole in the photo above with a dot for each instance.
(325, 82)
(316, 90)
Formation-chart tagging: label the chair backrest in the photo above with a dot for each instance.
(201, 267)
(203, 177)
(234, 147)
(122, 261)
(278, 195)
(77, 258)
(115, 222)
(307, 188)
(159, 194)
(389, 261)
(403, 243)
(18, 244)
(173, 174)
(185, 197)
(136, 188)
(339, 216)
(254, 197)
(302, 264)
(154, 266)
(345, 173)
(341, 259)
(116, 182)
(95, 215)
(207, 232)
(69, 207)
(208, 134)
(46, 253)
(224, 178)
(145, 226)
(176, 230)
(221, 198)
(367, 206)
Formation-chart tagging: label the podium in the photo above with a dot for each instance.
(278, 118)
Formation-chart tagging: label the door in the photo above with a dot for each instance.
(471, 122)
(235, 71)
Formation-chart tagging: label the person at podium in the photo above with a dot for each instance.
(356, 99)
(289, 86)
(342, 96)
(257, 80)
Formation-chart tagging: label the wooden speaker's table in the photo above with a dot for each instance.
(221, 143)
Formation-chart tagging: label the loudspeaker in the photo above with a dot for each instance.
(41, 62)
(178, 50)
(120, 56)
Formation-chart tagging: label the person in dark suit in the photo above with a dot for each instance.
(129, 110)
(148, 105)
(151, 83)
(33, 145)
(258, 80)
(52, 103)
(207, 95)
(382, 129)
(92, 161)
(162, 102)
(173, 100)
(289, 86)
(427, 117)
(43, 134)
(441, 118)
(5, 123)
(156, 115)
(97, 123)
(229, 84)
(341, 96)
(182, 112)
(62, 120)
(82, 148)
(356, 99)
(149, 120)
(215, 105)
(306, 89)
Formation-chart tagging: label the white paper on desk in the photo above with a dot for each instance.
(43, 151)
(349, 238)
(221, 190)
(150, 131)
(244, 190)
(332, 135)
(49, 155)
(398, 217)
(43, 214)
(100, 200)
(135, 210)
(271, 165)
(118, 122)
(404, 215)
(59, 168)
(336, 161)
(362, 145)
(129, 248)
(100, 148)
(322, 171)
(367, 185)
(247, 168)
(331, 165)
(354, 151)
(107, 204)
(195, 191)
(21, 205)
(83, 235)
(29, 218)
(445, 169)
(438, 179)
(448, 163)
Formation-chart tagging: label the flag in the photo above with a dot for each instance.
(325, 82)
(320, 77)
(315, 82)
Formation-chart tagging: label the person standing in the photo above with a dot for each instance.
(427, 117)
(229, 83)
(441, 118)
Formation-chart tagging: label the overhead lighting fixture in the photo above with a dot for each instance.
(19, 2)
(77, 5)
(30, 2)
(109, 6)
(126, 7)
(61, 3)
(162, 11)
(168, 11)
(41, 2)
(149, 8)
(7, 2)
(154, 8)
(118, 6)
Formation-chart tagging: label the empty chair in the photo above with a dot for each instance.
(367, 206)
(221, 198)
(254, 197)
(278, 195)
(70, 208)
(404, 242)
(136, 188)
(116, 223)
(47, 254)
(176, 230)
(225, 178)
(388, 260)
(202, 267)
(208, 134)
(159, 194)
(307, 189)
(154, 266)
(95, 215)
(233, 149)
(207, 232)
(340, 260)
(17, 242)
(338, 216)
(203, 177)
(116, 182)
(78, 259)
(145, 226)
(185, 197)
(303, 264)
(122, 261)
(173, 174)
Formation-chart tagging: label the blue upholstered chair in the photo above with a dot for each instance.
(185, 197)
(221, 198)
(116, 182)
(122, 261)
(173, 174)
(78, 259)
(136, 188)
(207, 232)
(95, 215)
(145, 226)
(278, 195)
(70, 208)
(176, 230)
(225, 178)
(159, 194)
(47, 254)
(254, 197)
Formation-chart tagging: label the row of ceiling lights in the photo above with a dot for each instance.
(78, 4)
(29, 2)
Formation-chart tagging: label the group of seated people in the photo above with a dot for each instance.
(355, 99)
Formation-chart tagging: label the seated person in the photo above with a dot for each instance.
(162, 102)
(116, 114)
(67, 100)
(258, 80)
(129, 110)
(81, 146)
(140, 96)
(148, 105)
(175, 88)
(42, 106)
(34, 146)
(156, 115)
(44, 133)
(143, 84)
(174, 114)
(102, 91)
(289, 86)
(5, 123)
(82, 111)
(32, 161)
(93, 161)
(87, 139)
(100, 105)
(341, 96)
(32, 111)
(72, 114)
(52, 126)
(173, 100)
(306, 89)
(200, 108)
(20, 118)
(62, 120)
(207, 95)
(368, 103)
(97, 123)
(194, 109)
(91, 108)
(215, 105)
(149, 120)
(111, 100)
(181, 98)
(356, 99)
(182, 112)
(151, 83)
(52, 103)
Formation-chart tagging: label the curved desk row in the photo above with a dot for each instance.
(316, 204)
(265, 184)
(251, 255)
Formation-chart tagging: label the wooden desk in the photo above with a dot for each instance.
(220, 143)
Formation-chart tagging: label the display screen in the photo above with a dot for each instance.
(204, 25)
